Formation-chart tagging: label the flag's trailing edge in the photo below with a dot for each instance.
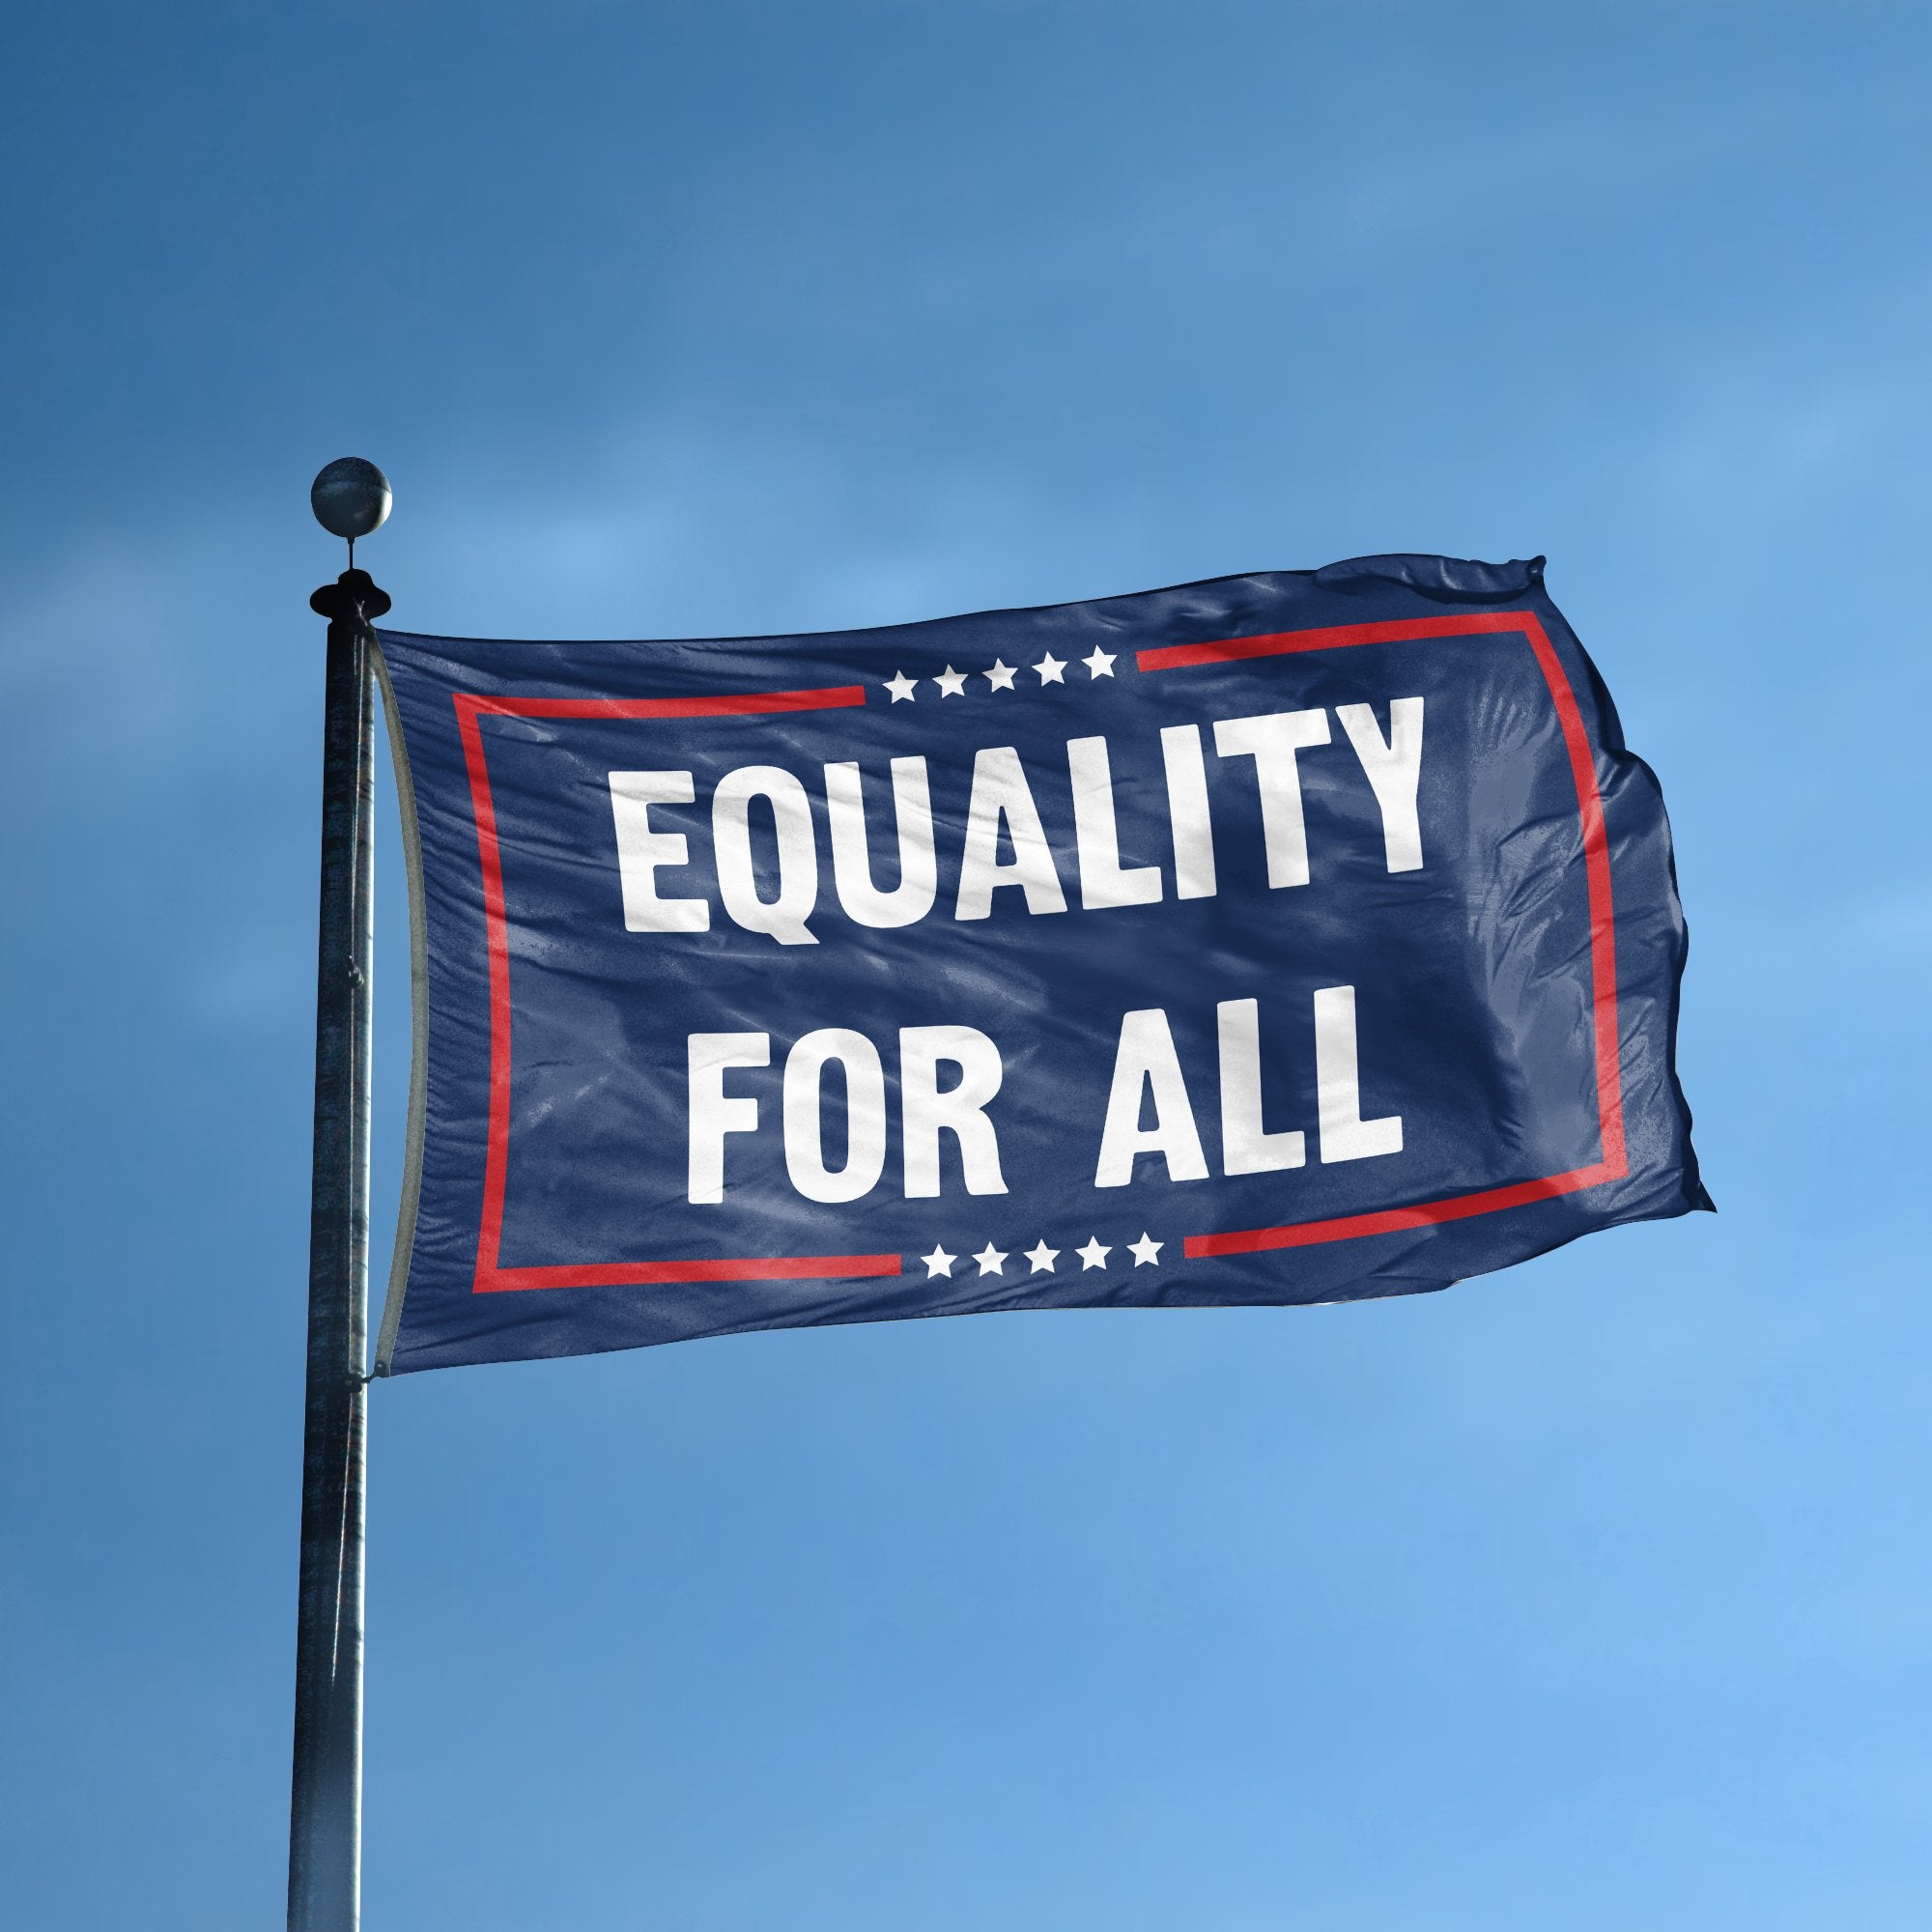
(1301, 937)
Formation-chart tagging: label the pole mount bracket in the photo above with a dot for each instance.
(353, 598)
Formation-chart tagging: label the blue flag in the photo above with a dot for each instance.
(1299, 937)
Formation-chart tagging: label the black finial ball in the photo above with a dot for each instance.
(350, 496)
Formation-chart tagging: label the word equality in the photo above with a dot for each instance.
(1003, 815)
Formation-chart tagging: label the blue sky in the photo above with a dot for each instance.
(1592, 1595)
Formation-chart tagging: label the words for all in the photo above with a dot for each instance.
(1001, 805)
(1147, 1077)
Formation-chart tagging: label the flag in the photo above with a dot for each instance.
(1299, 937)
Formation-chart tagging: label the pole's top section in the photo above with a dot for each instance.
(351, 498)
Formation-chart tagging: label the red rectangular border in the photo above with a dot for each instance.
(491, 1278)
(1615, 1163)
(470, 706)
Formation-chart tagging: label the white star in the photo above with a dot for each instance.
(1042, 1258)
(991, 1261)
(1145, 1250)
(1092, 1255)
(901, 686)
(938, 1261)
(951, 683)
(1001, 676)
(1100, 663)
(1049, 669)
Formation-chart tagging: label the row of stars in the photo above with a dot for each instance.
(951, 683)
(1145, 1253)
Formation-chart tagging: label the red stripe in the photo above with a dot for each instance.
(496, 929)
(728, 704)
(1393, 1220)
(635, 1275)
(1278, 643)
(1603, 913)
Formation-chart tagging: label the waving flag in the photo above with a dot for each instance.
(1299, 937)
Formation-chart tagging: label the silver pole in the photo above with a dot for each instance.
(326, 1811)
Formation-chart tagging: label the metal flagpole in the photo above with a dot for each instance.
(351, 498)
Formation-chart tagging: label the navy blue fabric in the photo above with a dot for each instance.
(1475, 982)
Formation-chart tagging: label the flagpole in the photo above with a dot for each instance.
(351, 499)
